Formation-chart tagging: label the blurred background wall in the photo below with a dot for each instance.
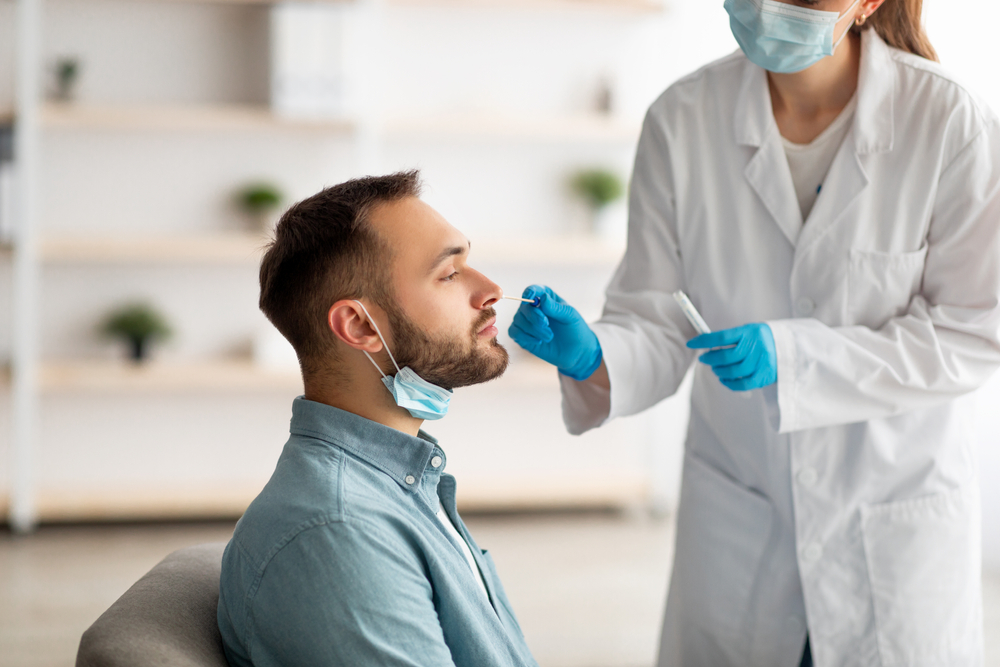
(157, 114)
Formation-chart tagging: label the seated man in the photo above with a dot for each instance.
(354, 554)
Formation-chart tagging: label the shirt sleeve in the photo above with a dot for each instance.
(642, 330)
(345, 594)
(945, 344)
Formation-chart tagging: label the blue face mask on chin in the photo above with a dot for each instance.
(422, 399)
(784, 38)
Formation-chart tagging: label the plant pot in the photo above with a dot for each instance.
(610, 222)
(138, 349)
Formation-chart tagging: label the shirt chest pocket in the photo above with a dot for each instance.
(881, 285)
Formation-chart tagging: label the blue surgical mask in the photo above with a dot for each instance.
(783, 38)
(422, 399)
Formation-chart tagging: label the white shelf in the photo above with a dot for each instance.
(102, 376)
(644, 6)
(550, 128)
(234, 375)
(616, 5)
(239, 248)
(581, 127)
(186, 501)
(180, 117)
(217, 248)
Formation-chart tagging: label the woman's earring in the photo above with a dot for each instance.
(860, 20)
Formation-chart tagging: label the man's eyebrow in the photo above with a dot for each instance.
(450, 252)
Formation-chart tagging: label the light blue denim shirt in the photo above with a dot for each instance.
(341, 559)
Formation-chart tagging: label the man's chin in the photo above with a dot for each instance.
(482, 366)
(503, 360)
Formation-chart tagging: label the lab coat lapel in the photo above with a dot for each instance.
(767, 172)
(872, 132)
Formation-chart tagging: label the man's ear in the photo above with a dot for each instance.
(348, 322)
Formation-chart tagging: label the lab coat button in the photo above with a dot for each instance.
(804, 306)
(808, 476)
(436, 462)
(794, 625)
(410, 479)
(812, 552)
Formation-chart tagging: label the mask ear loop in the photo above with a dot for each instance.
(386, 345)
(848, 28)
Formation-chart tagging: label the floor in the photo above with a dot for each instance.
(588, 588)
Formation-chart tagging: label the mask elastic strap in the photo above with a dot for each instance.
(848, 28)
(386, 345)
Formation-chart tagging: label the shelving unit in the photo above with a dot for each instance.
(77, 252)
(616, 5)
(234, 375)
(216, 248)
(624, 5)
(181, 117)
(566, 250)
(153, 377)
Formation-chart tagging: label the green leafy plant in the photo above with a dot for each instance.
(599, 187)
(67, 71)
(259, 201)
(137, 324)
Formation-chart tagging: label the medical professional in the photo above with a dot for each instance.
(829, 198)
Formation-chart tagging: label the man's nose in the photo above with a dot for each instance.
(487, 292)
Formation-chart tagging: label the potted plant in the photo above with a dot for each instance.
(67, 73)
(259, 201)
(137, 324)
(598, 188)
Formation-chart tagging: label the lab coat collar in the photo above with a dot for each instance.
(873, 119)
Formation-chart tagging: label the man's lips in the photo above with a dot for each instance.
(489, 330)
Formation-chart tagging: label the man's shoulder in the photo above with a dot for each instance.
(317, 487)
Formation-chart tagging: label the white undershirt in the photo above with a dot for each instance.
(466, 551)
(809, 163)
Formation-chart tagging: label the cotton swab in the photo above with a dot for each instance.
(534, 302)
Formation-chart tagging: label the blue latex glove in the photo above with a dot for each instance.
(747, 359)
(555, 331)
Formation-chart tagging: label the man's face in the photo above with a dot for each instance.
(441, 317)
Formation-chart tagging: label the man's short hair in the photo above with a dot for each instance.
(325, 250)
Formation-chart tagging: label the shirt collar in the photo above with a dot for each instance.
(873, 118)
(403, 457)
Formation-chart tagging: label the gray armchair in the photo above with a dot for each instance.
(166, 619)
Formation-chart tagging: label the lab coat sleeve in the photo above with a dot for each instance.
(947, 343)
(642, 330)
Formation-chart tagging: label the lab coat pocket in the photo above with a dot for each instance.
(723, 530)
(881, 284)
(923, 560)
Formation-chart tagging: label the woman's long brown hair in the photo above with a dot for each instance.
(897, 22)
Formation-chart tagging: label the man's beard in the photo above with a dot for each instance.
(458, 362)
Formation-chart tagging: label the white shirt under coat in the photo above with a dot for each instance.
(844, 498)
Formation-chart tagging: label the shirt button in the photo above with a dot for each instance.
(436, 462)
(804, 306)
(410, 479)
(812, 553)
(808, 476)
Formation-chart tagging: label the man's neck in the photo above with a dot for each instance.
(365, 399)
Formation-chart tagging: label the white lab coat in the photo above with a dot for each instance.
(844, 498)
